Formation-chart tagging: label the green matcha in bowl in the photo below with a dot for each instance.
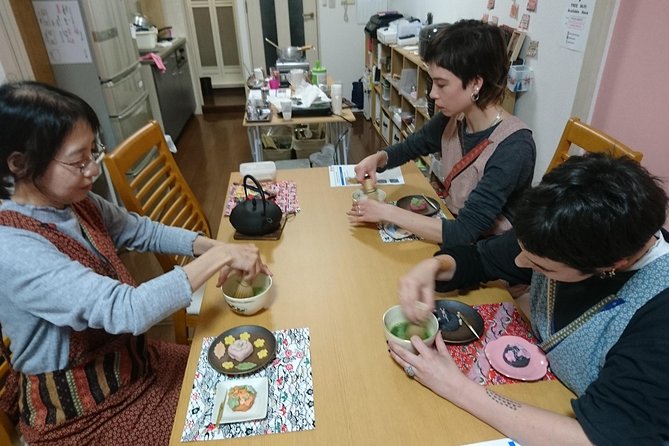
(398, 329)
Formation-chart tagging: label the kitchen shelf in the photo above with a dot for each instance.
(387, 63)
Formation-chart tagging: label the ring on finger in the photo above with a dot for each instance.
(409, 371)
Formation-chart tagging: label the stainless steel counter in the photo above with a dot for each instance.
(171, 91)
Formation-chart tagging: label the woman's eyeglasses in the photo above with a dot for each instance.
(85, 166)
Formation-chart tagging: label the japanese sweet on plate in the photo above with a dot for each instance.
(398, 329)
(260, 298)
(240, 400)
(420, 204)
(458, 328)
(243, 349)
(517, 358)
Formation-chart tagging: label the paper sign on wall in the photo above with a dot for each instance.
(576, 24)
(63, 31)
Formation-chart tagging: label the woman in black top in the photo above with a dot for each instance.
(589, 238)
(468, 64)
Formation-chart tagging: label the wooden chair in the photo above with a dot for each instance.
(8, 433)
(149, 182)
(588, 139)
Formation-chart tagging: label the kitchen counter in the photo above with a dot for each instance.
(164, 51)
(170, 92)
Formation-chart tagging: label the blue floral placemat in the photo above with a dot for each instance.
(290, 398)
(391, 233)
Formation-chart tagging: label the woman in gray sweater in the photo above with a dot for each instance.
(83, 369)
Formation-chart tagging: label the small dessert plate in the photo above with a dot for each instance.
(395, 232)
(226, 399)
(431, 205)
(454, 331)
(517, 358)
(262, 341)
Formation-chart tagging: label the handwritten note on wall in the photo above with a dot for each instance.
(63, 31)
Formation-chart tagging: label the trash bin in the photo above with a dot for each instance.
(205, 86)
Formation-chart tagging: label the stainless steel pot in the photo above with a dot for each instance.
(141, 21)
(293, 53)
(290, 54)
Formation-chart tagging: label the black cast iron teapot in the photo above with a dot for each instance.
(253, 216)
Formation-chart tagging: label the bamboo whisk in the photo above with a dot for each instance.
(244, 290)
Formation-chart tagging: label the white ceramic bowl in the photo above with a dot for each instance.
(394, 316)
(250, 305)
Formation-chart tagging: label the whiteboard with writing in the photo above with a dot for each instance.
(63, 31)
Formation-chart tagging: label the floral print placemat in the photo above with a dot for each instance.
(285, 196)
(290, 398)
(390, 233)
(499, 319)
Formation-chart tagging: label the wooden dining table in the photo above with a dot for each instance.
(338, 280)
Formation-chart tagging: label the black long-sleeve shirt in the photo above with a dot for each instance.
(629, 401)
(508, 173)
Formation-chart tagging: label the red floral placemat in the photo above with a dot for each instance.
(285, 196)
(499, 319)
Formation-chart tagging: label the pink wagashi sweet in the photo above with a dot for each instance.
(240, 349)
(418, 204)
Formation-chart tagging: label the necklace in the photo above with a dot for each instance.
(495, 121)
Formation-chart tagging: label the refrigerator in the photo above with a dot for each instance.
(93, 55)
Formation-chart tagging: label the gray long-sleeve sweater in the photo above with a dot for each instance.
(45, 294)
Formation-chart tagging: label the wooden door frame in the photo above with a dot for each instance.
(29, 48)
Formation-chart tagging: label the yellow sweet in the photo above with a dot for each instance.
(245, 335)
(260, 342)
(227, 365)
(229, 340)
(262, 353)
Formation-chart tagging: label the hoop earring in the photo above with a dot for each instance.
(475, 95)
(608, 274)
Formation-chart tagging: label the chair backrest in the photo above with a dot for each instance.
(588, 139)
(8, 432)
(149, 182)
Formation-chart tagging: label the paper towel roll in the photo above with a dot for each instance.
(336, 97)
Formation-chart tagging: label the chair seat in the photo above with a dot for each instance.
(196, 302)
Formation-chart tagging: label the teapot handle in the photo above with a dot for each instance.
(257, 188)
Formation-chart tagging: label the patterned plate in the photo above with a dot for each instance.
(451, 330)
(264, 350)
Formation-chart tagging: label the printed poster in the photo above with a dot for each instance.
(576, 24)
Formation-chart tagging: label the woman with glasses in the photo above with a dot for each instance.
(590, 241)
(487, 155)
(83, 369)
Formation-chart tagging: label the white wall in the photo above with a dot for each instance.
(342, 44)
(557, 70)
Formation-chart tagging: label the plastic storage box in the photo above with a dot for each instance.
(146, 40)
